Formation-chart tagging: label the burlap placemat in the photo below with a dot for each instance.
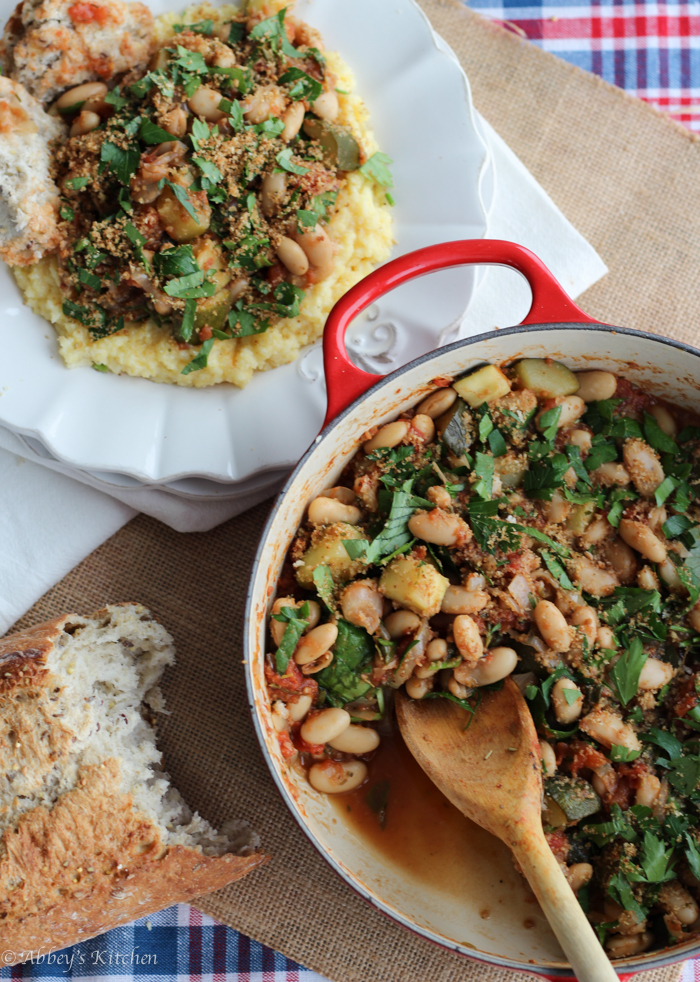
(629, 180)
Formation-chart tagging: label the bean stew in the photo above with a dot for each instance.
(522, 520)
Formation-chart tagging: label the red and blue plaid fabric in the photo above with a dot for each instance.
(651, 50)
(176, 945)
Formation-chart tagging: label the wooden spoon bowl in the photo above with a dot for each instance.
(488, 765)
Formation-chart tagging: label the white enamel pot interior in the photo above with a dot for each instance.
(660, 366)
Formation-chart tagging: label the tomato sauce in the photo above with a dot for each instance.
(402, 815)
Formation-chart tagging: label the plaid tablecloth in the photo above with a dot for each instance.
(652, 50)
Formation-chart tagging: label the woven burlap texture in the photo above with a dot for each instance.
(628, 179)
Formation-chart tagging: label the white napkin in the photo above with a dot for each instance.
(49, 522)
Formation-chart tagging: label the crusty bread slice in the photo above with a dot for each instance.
(93, 835)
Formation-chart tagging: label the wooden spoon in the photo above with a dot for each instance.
(491, 770)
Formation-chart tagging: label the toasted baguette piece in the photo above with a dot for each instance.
(29, 198)
(93, 834)
(53, 45)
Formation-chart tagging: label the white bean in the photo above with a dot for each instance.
(643, 465)
(436, 652)
(641, 538)
(595, 386)
(494, 666)
(86, 122)
(566, 712)
(422, 428)
(557, 510)
(676, 900)
(437, 402)
(417, 688)
(363, 605)
(292, 119)
(439, 496)
(647, 790)
(224, 58)
(318, 248)
(599, 530)
(467, 638)
(299, 709)
(291, 255)
(586, 620)
(325, 726)
(277, 628)
(607, 728)
(280, 716)
(346, 495)
(664, 418)
(401, 623)
(315, 644)
(581, 439)
(548, 758)
(327, 511)
(669, 574)
(624, 946)
(389, 435)
(572, 407)
(458, 690)
(175, 122)
(594, 579)
(655, 674)
(73, 98)
(273, 189)
(327, 105)
(460, 600)
(552, 626)
(606, 637)
(578, 875)
(647, 579)
(311, 667)
(622, 559)
(442, 528)
(611, 474)
(265, 101)
(356, 740)
(337, 777)
(205, 102)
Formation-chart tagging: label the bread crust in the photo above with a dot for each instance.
(92, 861)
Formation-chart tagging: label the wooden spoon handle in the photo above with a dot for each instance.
(562, 910)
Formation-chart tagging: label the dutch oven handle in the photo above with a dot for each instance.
(550, 304)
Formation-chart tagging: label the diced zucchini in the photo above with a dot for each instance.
(484, 385)
(547, 379)
(511, 468)
(575, 797)
(580, 517)
(341, 149)
(414, 585)
(456, 428)
(212, 311)
(178, 222)
(552, 815)
(327, 549)
(159, 60)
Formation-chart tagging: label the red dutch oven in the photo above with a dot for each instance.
(554, 327)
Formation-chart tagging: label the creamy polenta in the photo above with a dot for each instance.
(360, 228)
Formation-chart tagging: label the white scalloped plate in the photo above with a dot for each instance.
(423, 118)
